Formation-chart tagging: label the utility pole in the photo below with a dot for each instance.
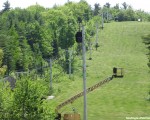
(70, 55)
(50, 66)
(84, 72)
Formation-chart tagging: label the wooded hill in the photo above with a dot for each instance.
(29, 36)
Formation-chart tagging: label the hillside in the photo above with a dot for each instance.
(120, 46)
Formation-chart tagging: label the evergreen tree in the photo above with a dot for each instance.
(117, 6)
(11, 50)
(125, 6)
(107, 5)
(96, 9)
(6, 6)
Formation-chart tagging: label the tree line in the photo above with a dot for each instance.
(123, 12)
(28, 36)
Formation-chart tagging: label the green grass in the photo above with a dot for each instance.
(120, 46)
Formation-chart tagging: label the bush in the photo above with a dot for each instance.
(24, 102)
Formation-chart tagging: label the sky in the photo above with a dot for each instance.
(136, 4)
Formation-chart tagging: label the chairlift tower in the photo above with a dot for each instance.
(102, 20)
(70, 61)
(107, 16)
(84, 72)
(96, 36)
(80, 38)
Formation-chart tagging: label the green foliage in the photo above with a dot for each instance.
(91, 25)
(27, 96)
(6, 101)
(36, 9)
(1, 56)
(28, 36)
(23, 38)
(24, 102)
(81, 9)
(1, 103)
(25, 60)
(146, 39)
(11, 50)
(2, 68)
(127, 13)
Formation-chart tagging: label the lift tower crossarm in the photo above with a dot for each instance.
(90, 89)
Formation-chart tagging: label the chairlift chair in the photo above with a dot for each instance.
(118, 72)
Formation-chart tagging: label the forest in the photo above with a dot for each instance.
(30, 37)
